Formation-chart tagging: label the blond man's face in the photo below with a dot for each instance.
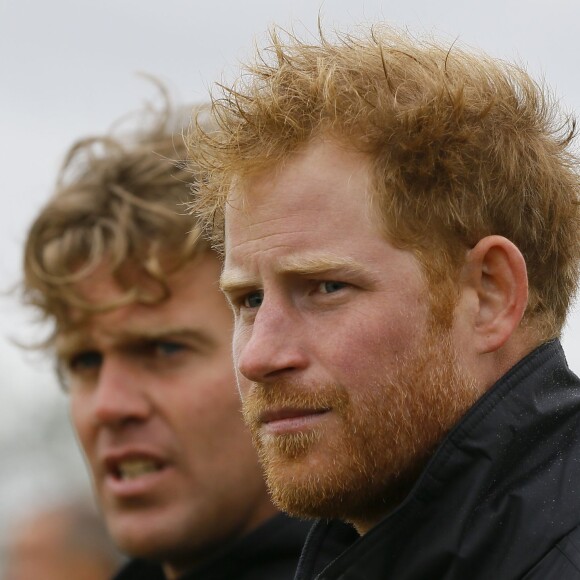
(154, 403)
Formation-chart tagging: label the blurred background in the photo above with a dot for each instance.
(68, 68)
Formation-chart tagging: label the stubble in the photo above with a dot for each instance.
(362, 460)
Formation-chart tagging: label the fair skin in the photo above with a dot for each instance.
(154, 405)
(348, 384)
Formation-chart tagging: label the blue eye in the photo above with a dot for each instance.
(167, 348)
(254, 300)
(330, 286)
(85, 361)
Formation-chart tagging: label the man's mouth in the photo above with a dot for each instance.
(135, 473)
(288, 414)
(290, 419)
(133, 468)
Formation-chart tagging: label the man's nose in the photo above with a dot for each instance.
(120, 396)
(272, 346)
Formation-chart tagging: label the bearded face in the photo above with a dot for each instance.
(348, 375)
(365, 453)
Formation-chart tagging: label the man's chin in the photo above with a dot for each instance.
(306, 492)
(299, 493)
(137, 534)
(302, 483)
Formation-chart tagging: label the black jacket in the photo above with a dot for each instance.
(268, 553)
(499, 500)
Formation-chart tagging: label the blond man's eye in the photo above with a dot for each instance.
(85, 361)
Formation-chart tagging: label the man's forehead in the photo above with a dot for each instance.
(315, 170)
(282, 168)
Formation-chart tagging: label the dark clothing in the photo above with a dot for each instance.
(499, 500)
(268, 553)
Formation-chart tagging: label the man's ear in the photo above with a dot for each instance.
(495, 272)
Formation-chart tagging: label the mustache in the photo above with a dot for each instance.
(262, 397)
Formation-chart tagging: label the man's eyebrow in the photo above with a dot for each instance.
(312, 264)
(234, 280)
(68, 343)
(196, 335)
(75, 341)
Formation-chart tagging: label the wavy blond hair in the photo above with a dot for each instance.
(121, 198)
(462, 146)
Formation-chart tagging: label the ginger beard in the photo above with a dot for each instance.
(363, 463)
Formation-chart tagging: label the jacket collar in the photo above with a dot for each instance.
(496, 474)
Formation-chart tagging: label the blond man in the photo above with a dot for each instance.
(142, 337)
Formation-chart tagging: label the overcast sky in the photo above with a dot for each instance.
(69, 68)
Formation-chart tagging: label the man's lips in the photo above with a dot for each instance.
(132, 471)
(289, 419)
